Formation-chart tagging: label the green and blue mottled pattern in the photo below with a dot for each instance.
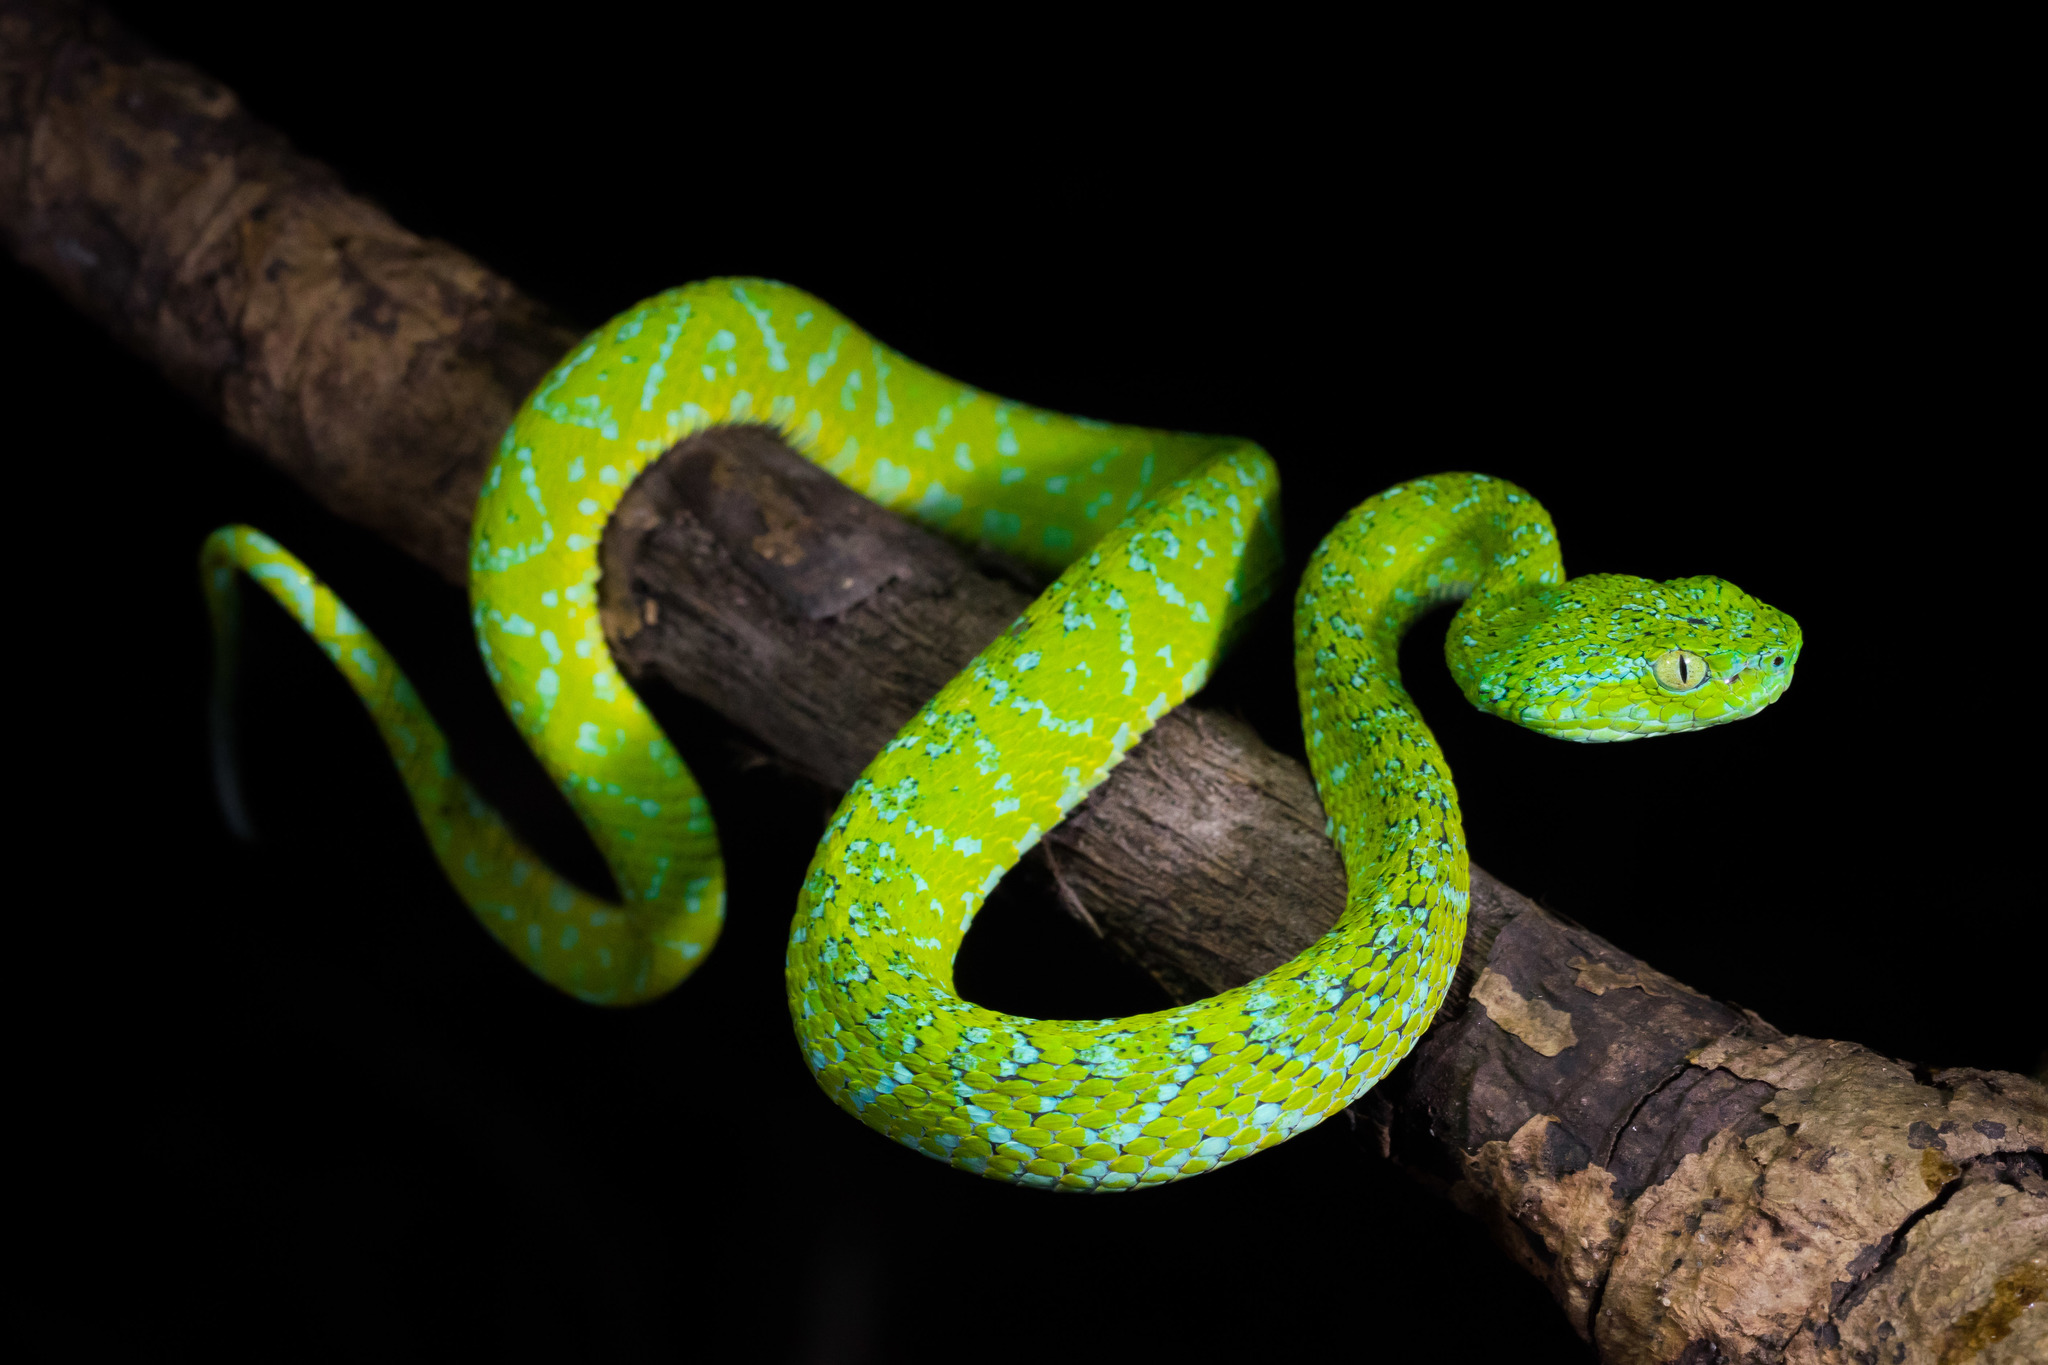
(607, 954)
(1574, 660)
(1166, 542)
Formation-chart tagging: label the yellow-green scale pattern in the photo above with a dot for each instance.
(1166, 541)
(1007, 748)
(567, 936)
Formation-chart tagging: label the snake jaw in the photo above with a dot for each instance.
(1737, 690)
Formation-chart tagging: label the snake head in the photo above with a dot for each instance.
(1610, 657)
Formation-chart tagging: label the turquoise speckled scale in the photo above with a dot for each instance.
(603, 953)
(1165, 542)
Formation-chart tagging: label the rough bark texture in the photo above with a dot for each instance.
(748, 578)
(1691, 1184)
(373, 366)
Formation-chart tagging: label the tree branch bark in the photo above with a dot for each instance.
(1688, 1182)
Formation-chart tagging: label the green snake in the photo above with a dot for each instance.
(1164, 542)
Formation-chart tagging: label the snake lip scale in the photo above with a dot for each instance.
(1164, 544)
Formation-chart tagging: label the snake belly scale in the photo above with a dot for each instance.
(1164, 543)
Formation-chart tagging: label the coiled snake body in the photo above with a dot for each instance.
(1166, 542)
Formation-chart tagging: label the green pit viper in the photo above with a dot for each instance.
(1163, 543)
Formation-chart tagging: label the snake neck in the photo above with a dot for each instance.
(1386, 788)
(1464, 538)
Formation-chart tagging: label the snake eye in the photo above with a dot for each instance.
(1680, 670)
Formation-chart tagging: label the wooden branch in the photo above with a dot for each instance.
(372, 366)
(1689, 1183)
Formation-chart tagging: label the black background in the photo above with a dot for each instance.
(303, 1106)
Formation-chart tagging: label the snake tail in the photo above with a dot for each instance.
(600, 952)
